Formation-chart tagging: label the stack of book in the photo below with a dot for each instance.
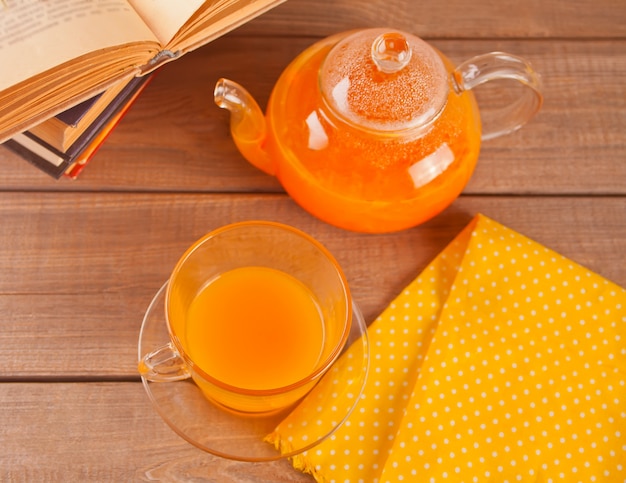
(71, 69)
(65, 143)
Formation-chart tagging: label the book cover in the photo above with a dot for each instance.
(82, 159)
(73, 115)
(64, 129)
(56, 162)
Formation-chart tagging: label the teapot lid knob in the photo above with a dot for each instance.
(391, 52)
(384, 81)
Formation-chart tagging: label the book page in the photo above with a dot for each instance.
(218, 17)
(166, 17)
(37, 35)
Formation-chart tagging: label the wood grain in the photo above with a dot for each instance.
(176, 139)
(88, 292)
(448, 18)
(81, 260)
(107, 432)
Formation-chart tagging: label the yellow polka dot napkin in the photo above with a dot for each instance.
(503, 361)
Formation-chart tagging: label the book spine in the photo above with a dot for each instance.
(158, 60)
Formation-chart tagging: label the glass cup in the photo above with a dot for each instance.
(256, 312)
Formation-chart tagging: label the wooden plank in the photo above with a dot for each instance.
(176, 139)
(78, 270)
(107, 432)
(448, 18)
(81, 260)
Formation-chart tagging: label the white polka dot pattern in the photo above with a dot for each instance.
(503, 361)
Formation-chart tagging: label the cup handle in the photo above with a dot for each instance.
(500, 65)
(164, 365)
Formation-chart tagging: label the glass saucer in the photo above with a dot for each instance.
(228, 434)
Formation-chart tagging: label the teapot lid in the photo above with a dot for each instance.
(384, 80)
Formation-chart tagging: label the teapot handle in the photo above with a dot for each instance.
(499, 66)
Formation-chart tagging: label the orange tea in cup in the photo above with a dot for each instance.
(270, 337)
(257, 312)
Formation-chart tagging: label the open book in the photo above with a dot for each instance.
(55, 54)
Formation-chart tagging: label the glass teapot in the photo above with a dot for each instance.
(374, 130)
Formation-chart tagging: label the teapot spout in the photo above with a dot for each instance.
(247, 123)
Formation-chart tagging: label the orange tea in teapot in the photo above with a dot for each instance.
(347, 175)
(372, 131)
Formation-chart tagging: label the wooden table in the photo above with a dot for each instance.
(81, 260)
